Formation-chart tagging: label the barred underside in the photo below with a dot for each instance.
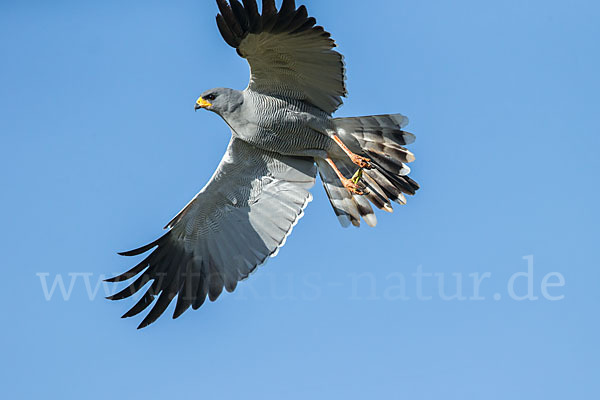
(242, 217)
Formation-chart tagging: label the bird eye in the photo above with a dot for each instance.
(210, 97)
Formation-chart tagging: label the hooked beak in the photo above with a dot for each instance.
(201, 103)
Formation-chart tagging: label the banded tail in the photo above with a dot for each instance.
(381, 139)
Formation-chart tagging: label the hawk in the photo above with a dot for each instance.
(282, 135)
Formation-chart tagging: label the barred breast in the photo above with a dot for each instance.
(284, 126)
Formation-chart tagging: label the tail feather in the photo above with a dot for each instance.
(381, 129)
(348, 207)
(392, 192)
(380, 138)
(376, 194)
(388, 163)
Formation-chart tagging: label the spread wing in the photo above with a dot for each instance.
(240, 218)
(288, 55)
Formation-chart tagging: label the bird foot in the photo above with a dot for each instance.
(362, 162)
(353, 187)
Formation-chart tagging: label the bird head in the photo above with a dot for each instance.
(219, 100)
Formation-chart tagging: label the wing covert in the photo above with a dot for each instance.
(239, 219)
(289, 55)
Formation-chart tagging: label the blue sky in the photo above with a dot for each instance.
(100, 147)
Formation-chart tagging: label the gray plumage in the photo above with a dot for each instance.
(281, 126)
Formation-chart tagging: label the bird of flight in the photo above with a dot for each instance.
(282, 134)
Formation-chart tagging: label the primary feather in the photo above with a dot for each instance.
(281, 127)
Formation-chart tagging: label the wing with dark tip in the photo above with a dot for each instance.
(289, 55)
(241, 217)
